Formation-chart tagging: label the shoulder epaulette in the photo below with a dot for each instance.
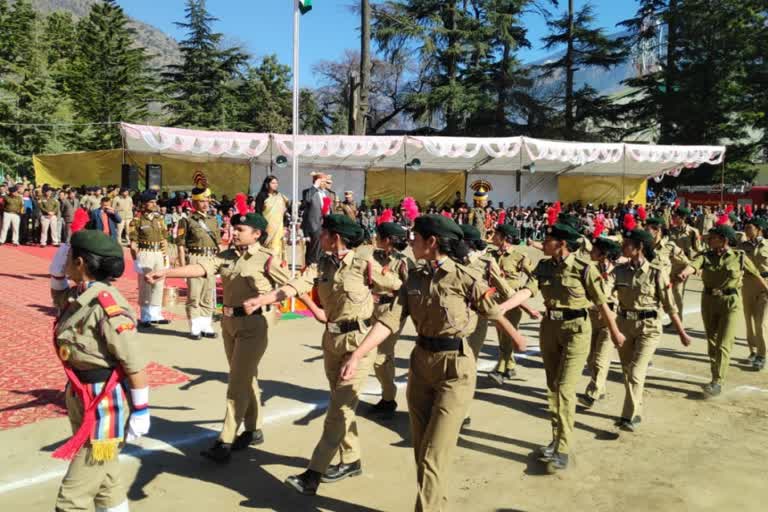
(109, 305)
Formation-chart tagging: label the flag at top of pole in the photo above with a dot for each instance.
(305, 6)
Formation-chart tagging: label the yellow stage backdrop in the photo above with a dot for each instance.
(103, 168)
(601, 189)
(391, 185)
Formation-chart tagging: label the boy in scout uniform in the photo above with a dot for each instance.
(49, 215)
(13, 208)
(569, 286)
(198, 240)
(148, 248)
(688, 239)
(95, 337)
(754, 299)
(723, 270)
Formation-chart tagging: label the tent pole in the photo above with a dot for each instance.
(520, 181)
(722, 182)
(624, 174)
(295, 159)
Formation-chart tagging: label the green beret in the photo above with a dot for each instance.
(96, 242)
(569, 220)
(733, 217)
(438, 225)
(254, 220)
(682, 212)
(343, 226)
(640, 235)
(564, 232)
(508, 230)
(470, 232)
(724, 231)
(758, 222)
(608, 246)
(655, 221)
(390, 229)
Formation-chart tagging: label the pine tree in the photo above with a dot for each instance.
(265, 98)
(109, 80)
(311, 118)
(200, 89)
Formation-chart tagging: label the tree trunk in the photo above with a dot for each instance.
(501, 93)
(365, 67)
(569, 72)
(452, 121)
(665, 121)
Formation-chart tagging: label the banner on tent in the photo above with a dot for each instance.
(391, 185)
(601, 189)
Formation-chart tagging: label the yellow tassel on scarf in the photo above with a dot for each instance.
(105, 450)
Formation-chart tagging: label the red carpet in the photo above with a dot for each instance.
(31, 378)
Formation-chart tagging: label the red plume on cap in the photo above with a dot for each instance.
(241, 204)
(558, 208)
(748, 211)
(80, 220)
(386, 216)
(599, 228)
(411, 208)
(629, 222)
(723, 219)
(641, 213)
(551, 215)
(728, 209)
(326, 209)
(446, 214)
(677, 203)
(502, 217)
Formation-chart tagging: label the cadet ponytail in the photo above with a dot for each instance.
(455, 249)
(101, 268)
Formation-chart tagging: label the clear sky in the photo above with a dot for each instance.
(264, 26)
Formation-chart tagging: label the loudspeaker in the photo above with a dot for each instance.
(129, 177)
(154, 176)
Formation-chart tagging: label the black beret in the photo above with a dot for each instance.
(254, 220)
(96, 242)
(344, 226)
(148, 195)
(470, 232)
(724, 231)
(564, 232)
(682, 212)
(123, 189)
(390, 229)
(508, 230)
(437, 225)
(655, 221)
(640, 235)
(607, 246)
(758, 222)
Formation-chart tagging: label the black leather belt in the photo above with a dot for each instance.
(566, 314)
(638, 315)
(439, 344)
(239, 311)
(203, 251)
(763, 274)
(94, 376)
(385, 299)
(345, 327)
(611, 306)
(150, 246)
(716, 292)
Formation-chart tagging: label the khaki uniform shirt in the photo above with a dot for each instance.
(727, 270)
(123, 206)
(13, 204)
(198, 231)
(89, 202)
(485, 266)
(757, 251)
(442, 301)
(149, 228)
(349, 209)
(345, 287)
(245, 275)
(91, 336)
(49, 206)
(477, 219)
(705, 222)
(687, 238)
(643, 288)
(571, 283)
(668, 255)
(516, 267)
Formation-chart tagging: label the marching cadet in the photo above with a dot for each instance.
(107, 394)
(149, 250)
(343, 281)
(516, 269)
(198, 239)
(391, 240)
(642, 290)
(13, 209)
(688, 239)
(246, 270)
(668, 254)
(722, 271)
(605, 252)
(754, 299)
(569, 286)
(50, 210)
(442, 298)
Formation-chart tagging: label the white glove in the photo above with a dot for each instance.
(138, 423)
(59, 263)
(137, 268)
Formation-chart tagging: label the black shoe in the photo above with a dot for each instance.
(145, 326)
(497, 377)
(210, 335)
(545, 453)
(305, 483)
(510, 374)
(383, 407)
(751, 358)
(466, 423)
(219, 452)
(758, 364)
(558, 462)
(196, 337)
(712, 390)
(160, 322)
(341, 471)
(248, 438)
(631, 425)
(586, 401)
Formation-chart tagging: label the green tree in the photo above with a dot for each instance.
(202, 90)
(109, 79)
(265, 98)
(310, 116)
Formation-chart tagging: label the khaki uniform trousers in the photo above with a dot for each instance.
(506, 347)
(564, 349)
(440, 388)
(150, 294)
(47, 223)
(384, 364)
(721, 315)
(11, 221)
(200, 299)
(122, 227)
(755, 302)
(641, 339)
(476, 340)
(340, 434)
(599, 360)
(245, 341)
(88, 482)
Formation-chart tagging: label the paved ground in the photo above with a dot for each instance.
(689, 455)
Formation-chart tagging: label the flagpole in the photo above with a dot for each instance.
(295, 160)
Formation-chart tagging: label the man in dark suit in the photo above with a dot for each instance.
(312, 199)
(105, 218)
